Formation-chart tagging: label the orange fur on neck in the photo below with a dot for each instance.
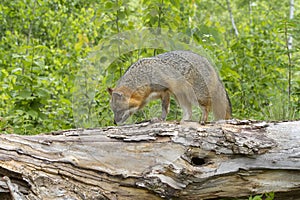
(136, 97)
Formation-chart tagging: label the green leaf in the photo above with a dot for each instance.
(4, 72)
(270, 196)
(257, 197)
(33, 114)
(175, 3)
(25, 93)
(42, 93)
(18, 69)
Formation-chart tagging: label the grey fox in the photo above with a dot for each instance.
(186, 75)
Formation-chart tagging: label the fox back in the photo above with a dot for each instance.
(186, 75)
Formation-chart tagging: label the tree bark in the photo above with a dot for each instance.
(154, 161)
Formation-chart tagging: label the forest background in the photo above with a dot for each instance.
(46, 45)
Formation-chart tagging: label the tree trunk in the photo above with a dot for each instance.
(154, 161)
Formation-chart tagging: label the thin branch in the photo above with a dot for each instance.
(31, 23)
(250, 16)
(232, 18)
(289, 64)
(289, 44)
(221, 5)
(118, 30)
(292, 8)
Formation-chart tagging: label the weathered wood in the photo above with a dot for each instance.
(154, 161)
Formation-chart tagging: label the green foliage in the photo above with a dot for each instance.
(46, 49)
(266, 196)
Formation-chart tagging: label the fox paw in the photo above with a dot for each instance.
(156, 120)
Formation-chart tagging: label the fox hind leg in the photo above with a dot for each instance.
(205, 111)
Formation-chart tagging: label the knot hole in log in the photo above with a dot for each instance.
(198, 158)
(197, 161)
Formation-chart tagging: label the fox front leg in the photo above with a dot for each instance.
(185, 105)
(165, 104)
(187, 112)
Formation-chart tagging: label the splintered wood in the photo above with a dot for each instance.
(154, 161)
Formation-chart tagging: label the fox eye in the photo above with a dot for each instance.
(119, 112)
(130, 105)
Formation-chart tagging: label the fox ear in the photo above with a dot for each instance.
(117, 95)
(110, 90)
(114, 94)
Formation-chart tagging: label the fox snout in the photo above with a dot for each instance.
(119, 120)
(120, 116)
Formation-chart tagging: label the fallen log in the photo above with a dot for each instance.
(154, 161)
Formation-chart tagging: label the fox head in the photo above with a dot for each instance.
(122, 103)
